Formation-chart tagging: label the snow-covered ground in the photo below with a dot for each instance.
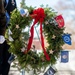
(63, 68)
(67, 68)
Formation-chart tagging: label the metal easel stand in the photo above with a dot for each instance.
(37, 34)
(22, 72)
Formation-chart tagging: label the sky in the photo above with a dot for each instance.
(37, 3)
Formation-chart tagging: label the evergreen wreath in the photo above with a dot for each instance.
(51, 30)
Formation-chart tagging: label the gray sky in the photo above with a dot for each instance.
(37, 3)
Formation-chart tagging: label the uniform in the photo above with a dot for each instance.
(4, 53)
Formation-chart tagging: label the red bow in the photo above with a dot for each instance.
(37, 15)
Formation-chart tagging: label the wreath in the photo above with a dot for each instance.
(51, 25)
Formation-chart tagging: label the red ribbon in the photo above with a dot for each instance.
(38, 15)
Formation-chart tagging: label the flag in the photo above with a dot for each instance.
(60, 20)
(67, 39)
(50, 71)
(11, 59)
(22, 12)
(64, 56)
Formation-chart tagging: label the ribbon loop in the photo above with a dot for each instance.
(38, 14)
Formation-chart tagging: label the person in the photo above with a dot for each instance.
(9, 6)
(4, 47)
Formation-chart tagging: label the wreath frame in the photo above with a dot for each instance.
(50, 29)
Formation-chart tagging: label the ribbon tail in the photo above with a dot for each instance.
(42, 43)
(31, 36)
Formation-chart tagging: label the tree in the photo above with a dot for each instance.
(23, 4)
